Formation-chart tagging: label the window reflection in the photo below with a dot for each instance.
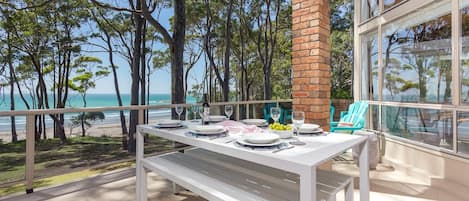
(370, 9)
(417, 56)
(370, 66)
(463, 132)
(390, 3)
(465, 53)
(428, 126)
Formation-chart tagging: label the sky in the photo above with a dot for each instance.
(160, 80)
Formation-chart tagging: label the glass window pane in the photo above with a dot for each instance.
(370, 9)
(465, 52)
(428, 126)
(463, 132)
(369, 66)
(417, 56)
(390, 3)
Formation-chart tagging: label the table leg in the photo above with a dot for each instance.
(308, 185)
(141, 175)
(364, 172)
(349, 191)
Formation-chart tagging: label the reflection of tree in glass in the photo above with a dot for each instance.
(420, 49)
(465, 55)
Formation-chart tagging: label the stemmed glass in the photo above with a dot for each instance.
(179, 110)
(228, 111)
(195, 109)
(298, 119)
(275, 113)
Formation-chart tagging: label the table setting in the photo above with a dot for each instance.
(251, 134)
(298, 148)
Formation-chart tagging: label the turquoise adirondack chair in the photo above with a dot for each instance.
(355, 115)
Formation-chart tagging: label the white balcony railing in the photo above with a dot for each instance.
(30, 123)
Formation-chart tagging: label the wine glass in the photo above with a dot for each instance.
(275, 113)
(298, 119)
(228, 111)
(195, 110)
(179, 110)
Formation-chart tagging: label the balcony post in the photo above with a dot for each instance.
(29, 164)
(311, 60)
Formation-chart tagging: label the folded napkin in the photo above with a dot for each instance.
(234, 126)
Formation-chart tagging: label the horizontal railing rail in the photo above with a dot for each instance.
(30, 122)
(122, 108)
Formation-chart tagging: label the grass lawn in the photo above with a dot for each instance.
(80, 158)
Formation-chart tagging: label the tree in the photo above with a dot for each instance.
(87, 75)
(114, 28)
(85, 120)
(341, 48)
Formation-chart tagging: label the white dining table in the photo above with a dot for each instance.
(301, 160)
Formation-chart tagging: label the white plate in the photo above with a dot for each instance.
(257, 122)
(310, 127)
(216, 118)
(208, 129)
(242, 141)
(168, 126)
(261, 138)
(164, 122)
(319, 130)
(168, 123)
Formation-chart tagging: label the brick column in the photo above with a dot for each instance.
(311, 60)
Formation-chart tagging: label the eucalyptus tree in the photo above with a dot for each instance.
(115, 32)
(87, 72)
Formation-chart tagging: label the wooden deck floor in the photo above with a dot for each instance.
(386, 185)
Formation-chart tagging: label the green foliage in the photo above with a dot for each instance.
(341, 41)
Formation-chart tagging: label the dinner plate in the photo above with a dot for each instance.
(309, 127)
(208, 129)
(319, 130)
(261, 138)
(257, 122)
(243, 142)
(216, 118)
(168, 123)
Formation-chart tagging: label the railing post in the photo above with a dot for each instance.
(247, 110)
(254, 115)
(237, 112)
(29, 164)
(141, 116)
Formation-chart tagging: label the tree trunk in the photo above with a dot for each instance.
(118, 94)
(226, 77)
(135, 78)
(143, 68)
(177, 55)
(14, 136)
(83, 131)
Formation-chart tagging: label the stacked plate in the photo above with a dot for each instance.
(260, 140)
(208, 130)
(168, 123)
(256, 122)
(310, 129)
(216, 118)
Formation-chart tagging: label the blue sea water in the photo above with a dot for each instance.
(93, 100)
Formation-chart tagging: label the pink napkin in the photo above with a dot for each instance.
(234, 126)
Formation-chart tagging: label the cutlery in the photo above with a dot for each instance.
(281, 149)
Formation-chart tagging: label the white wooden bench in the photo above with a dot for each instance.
(220, 177)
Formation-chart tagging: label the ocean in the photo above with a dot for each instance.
(93, 100)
